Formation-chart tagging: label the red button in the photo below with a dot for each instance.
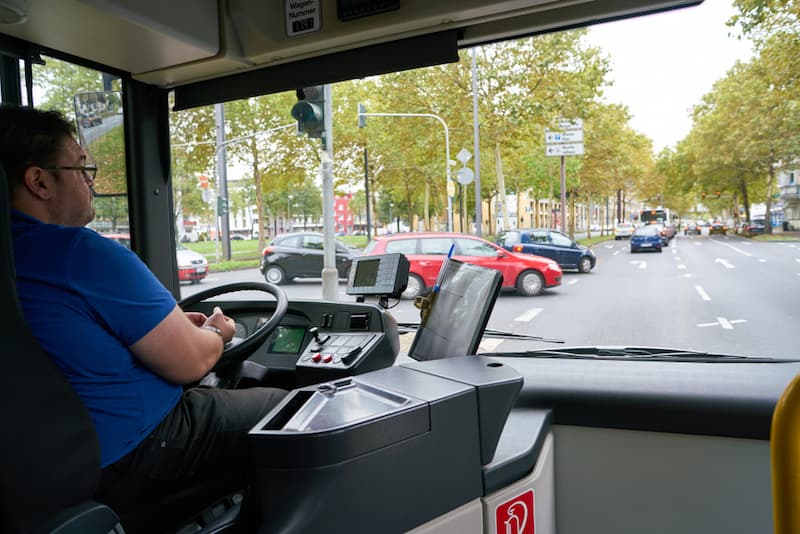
(316, 358)
(327, 358)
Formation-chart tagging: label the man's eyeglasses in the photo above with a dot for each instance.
(89, 171)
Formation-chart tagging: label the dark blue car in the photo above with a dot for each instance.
(550, 244)
(647, 237)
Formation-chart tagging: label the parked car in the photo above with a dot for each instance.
(192, 266)
(646, 237)
(718, 228)
(755, 227)
(623, 230)
(550, 244)
(300, 255)
(529, 274)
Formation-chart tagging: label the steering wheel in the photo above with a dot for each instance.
(238, 349)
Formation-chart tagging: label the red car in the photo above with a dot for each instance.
(529, 274)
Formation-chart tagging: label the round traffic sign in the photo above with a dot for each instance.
(465, 175)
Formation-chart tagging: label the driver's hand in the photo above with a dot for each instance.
(197, 318)
(225, 324)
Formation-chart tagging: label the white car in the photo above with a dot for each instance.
(192, 266)
(623, 230)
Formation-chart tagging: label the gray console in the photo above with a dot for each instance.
(385, 451)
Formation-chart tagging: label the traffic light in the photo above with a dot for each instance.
(362, 119)
(309, 111)
(222, 206)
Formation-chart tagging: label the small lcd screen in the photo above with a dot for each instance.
(367, 273)
(288, 340)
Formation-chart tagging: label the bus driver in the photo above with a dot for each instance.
(115, 331)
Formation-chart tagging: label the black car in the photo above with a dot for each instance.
(550, 244)
(300, 255)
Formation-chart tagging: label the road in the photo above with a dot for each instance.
(722, 294)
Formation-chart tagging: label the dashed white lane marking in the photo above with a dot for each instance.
(740, 251)
(617, 252)
(702, 293)
(641, 264)
(725, 263)
(723, 322)
(681, 266)
(697, 243)
(528, 315)
(762, 260)
(573, 282)
(797, 260)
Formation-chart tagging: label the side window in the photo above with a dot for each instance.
(472, 247)
(294, 241)
(435, 245)
(509, 238)
(92, 99)
(404, 246)
(560, 239)
(540, 236)
(313, 242)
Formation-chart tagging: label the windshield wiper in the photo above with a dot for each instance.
(636, 353)
(499, 334)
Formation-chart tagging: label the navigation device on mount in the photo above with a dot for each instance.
(384, 276)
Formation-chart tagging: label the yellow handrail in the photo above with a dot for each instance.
(785, 459)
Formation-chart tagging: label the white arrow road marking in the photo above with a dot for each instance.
(725, 263)
(702, 293)
(641, 264)
(723, 322)
(528, 315)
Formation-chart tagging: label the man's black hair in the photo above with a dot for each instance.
(30, 136)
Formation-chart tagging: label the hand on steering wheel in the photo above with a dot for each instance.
(239, 349)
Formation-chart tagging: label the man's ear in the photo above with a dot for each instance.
(38, 183)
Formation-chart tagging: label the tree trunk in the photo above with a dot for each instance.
(768, 211)
(745, 197)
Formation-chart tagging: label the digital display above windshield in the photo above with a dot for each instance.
(287, 340)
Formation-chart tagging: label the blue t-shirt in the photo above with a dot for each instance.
(87, 299)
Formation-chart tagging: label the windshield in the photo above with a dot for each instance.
(663, 123)
(630, 121)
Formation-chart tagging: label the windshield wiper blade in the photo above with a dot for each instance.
(498, 334)
(636, 353)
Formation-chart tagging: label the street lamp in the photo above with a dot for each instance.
(447, 162)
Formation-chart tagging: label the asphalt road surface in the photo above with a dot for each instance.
(720, 294)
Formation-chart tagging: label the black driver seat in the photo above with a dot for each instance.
(49, 454)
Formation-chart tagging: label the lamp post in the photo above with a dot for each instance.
(289, 213)
(446, 148)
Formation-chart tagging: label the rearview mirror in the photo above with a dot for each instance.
(98, 116)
